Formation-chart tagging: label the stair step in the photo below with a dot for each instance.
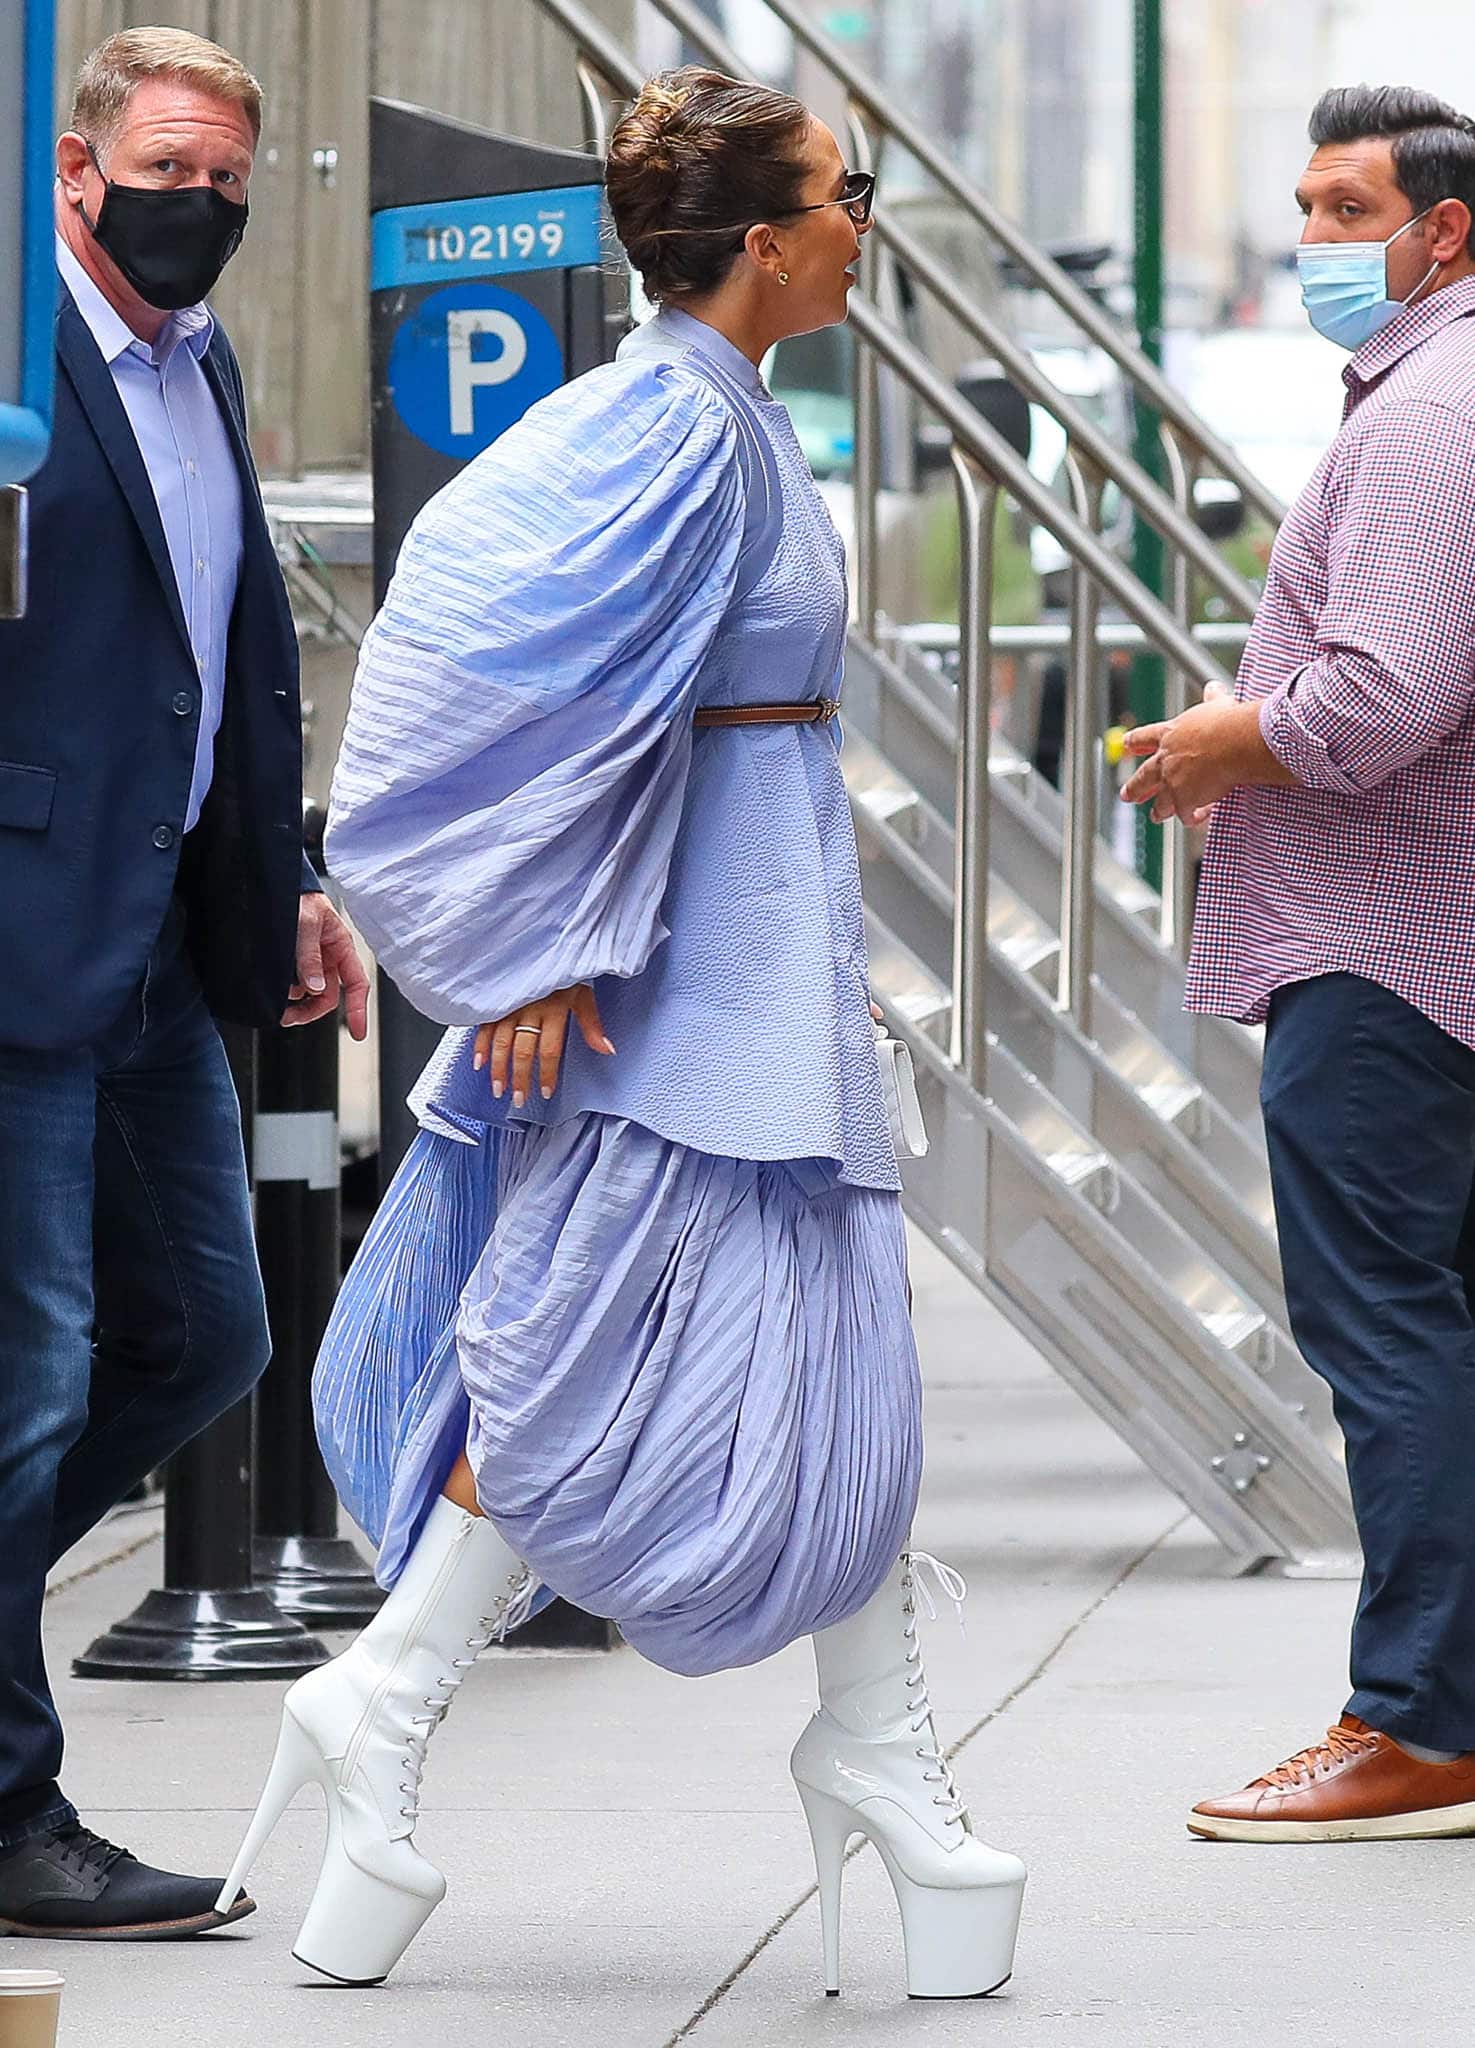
(1242, 1330)
(887, 800)
(925, 1008)
(1025, 941)
(1093, 1175)
(1177, 1100)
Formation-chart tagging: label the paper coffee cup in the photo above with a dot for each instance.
(29, 2003)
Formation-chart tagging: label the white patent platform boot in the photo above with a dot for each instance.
(869, 1764)
(359, 1727)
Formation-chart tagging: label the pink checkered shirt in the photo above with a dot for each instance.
(1362, 659)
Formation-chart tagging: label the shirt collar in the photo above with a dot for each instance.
(726, 354)
(193, 325)
(1415, 325)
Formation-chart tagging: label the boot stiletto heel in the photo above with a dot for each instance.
(831, 1825)
(359, 1727)
(296, 1762)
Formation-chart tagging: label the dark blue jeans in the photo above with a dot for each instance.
(1370, 1118)
(131, 1312)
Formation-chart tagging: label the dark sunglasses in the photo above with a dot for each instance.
(858, 198)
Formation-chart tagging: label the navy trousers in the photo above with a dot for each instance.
(131, 1311)
(1370, 1120)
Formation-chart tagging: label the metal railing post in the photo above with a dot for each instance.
(865, 476)
(978, 497)
(596, 117)
(1175, 918)
(1078, 777)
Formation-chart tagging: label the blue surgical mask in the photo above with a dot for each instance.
(1344, 287)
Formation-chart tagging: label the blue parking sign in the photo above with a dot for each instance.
(467, 363)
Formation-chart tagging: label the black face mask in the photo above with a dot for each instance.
(170, 245)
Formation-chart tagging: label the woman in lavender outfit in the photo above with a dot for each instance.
(631, 1326)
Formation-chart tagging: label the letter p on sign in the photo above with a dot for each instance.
(467, 371)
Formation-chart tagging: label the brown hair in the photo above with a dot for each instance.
(109, 74)
(695, 163)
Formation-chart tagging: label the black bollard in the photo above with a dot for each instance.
(299, 1557)
(209, 1620)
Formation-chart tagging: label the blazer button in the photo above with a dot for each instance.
(184, 703)
(163, 837)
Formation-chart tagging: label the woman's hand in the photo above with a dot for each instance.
(538, 1030)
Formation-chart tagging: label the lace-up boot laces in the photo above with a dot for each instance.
(936, 1768)
(509, 1613)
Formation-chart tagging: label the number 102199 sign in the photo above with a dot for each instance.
(487, 237)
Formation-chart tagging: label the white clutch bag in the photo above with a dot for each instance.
(899, 1089)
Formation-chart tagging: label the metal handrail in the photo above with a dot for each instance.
(978, 497)
(1140, 488)
(1052, 636)
(987, 445)
(864, 94)
(985, 463)
(1078, 772)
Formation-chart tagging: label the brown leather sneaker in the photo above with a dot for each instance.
(1356, 1786)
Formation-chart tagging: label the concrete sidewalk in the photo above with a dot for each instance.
(628, 1864)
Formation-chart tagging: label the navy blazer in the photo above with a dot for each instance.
(99, 714)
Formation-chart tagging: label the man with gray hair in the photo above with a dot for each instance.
(152, 881)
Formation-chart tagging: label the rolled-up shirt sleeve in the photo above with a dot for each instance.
(1394, 668)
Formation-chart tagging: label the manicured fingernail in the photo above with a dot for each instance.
(316, 983)
(547, 1094)
(499, 1089)
(478, 1061)
(518, 1098)
(608, 1046)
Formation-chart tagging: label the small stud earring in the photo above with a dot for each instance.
(783, 277)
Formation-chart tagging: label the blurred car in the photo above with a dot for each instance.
(1273, 393)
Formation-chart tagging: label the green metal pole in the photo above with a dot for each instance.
(1149, 681)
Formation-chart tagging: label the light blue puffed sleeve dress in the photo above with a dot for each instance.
(665, 1312)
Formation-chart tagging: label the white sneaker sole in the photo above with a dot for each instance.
(1390, 1827)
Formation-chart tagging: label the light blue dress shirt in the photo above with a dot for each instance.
(187, 453)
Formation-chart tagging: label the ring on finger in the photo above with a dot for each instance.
(536, 1029)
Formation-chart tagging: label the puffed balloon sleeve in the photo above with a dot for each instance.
(516, 754)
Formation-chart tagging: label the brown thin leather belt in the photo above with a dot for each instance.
(818, 711)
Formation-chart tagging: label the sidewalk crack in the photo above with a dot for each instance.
(1031, 1678)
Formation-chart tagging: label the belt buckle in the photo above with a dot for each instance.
(828, 706)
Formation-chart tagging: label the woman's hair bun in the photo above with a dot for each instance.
(648, 140)
(699, 159)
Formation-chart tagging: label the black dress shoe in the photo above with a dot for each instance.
(74, 1886)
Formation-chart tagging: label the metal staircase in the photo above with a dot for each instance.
(1097, 1164)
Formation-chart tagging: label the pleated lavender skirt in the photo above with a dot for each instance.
(687, 1384)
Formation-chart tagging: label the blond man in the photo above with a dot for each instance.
(152, 882)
